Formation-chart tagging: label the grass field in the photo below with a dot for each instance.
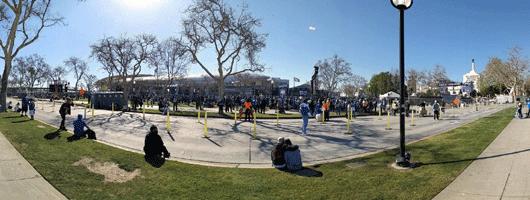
(443, 156)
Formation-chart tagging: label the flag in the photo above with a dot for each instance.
(296, 79)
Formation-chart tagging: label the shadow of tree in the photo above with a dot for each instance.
(473, 159)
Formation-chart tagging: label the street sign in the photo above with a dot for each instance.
(456, 101)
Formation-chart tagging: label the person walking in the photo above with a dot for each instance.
(65, 109)
(436, 109)
(305, 111)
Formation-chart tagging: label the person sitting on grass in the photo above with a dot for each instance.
(293, 158)
(154, 146)
(79, 128)
(277, 154)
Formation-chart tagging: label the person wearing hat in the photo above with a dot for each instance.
(79, 128)
(305, 111)
(65, 109)
(436, 109)
(154, 146)
(277, 154)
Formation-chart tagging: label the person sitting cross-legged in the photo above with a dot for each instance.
(293, 158)
(277, 154)
(154, 146)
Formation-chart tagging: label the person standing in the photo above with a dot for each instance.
(519, 110)
(220, 104)
(248, 106)
(305, 111)
(24, 106)
(436, 109)
(31, 106)
(326, 110)
(65, 109)
(528, 111)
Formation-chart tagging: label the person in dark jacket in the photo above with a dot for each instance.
(24, 106)
(154, 146)
(65, 109)
(277, 154)
(293, 159)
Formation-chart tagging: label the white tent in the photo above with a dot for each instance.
(389, 95)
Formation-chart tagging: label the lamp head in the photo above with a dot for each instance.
(401, 4)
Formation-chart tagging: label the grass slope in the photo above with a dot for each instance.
(444, 157)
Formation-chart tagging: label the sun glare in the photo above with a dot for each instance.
(140, 4)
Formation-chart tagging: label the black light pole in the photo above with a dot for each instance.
(402, 5)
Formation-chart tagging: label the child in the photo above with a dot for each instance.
(31, 106)
(17, 107)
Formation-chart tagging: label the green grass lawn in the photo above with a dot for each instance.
(53, 158)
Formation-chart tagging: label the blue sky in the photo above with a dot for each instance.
(364, 32)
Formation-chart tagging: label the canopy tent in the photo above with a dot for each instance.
(389, 95)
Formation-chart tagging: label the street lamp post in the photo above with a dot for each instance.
(402, 5)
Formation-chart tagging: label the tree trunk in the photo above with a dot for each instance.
(221, 83)
(3, 90)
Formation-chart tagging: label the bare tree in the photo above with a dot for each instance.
(333, 72)
(125, 56)
(170, 59)
(22, 22)
(78, 66)
(412, 80)
(243, 81)
(353, 83)
(90, 81)
(509, 73)
(30, 70)
(231, 33)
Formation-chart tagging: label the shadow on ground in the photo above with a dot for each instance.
(304, 172)
(473, 159)
(156, 162)
(51, 136)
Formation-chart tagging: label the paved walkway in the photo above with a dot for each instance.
(502, 171)
(233, 145)
(19, 180)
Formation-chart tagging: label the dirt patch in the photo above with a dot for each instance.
(110, 170)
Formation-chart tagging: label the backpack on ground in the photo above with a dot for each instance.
(90, 134)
